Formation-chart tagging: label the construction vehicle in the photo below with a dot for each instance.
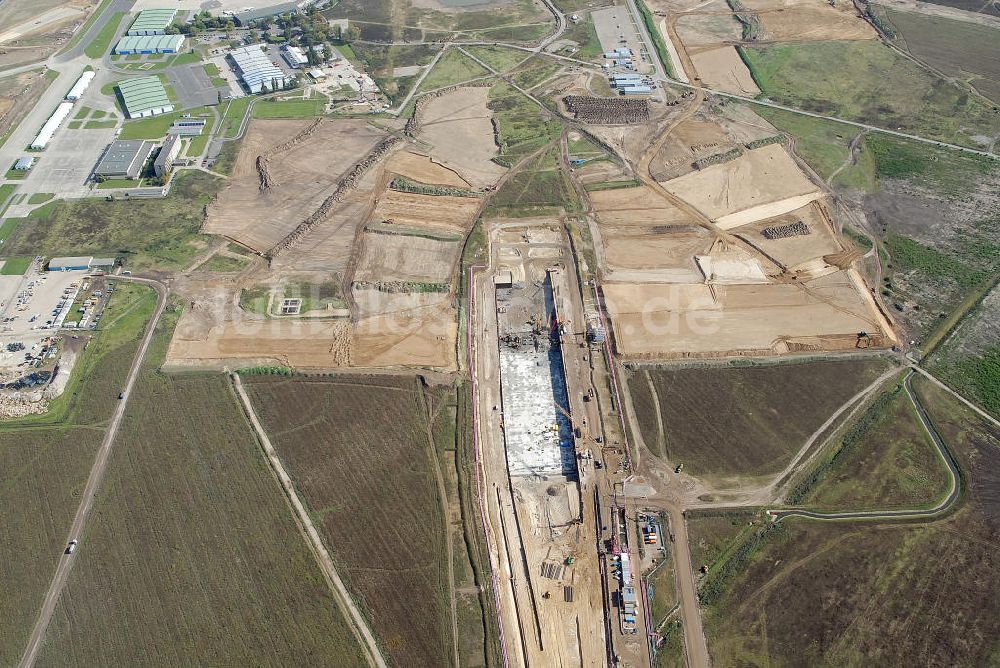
(569, 561)
(680, 467)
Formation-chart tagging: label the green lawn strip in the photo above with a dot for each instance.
(659, 45)
(101, 44)
(288, 109)
(6, 190)
(233, 116)
(82, 30)
(823, 144)
(40, 198)
(16, 265)
(155, 127)
(198, 143)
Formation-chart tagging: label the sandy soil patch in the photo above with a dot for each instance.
(667, 256)
(405, 330)
(635, 206)
(732, 266)
(422, 168)
(459, 128)
(691, 140)
(397, 257)
(302, 177)
(761, 183)
(707, 29)
(794, 250)
(436, 211)
(724, 70)
(651, 320)
(298, 343)
(810, 20)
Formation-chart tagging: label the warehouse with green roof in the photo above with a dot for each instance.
(152, 22)
(131, 44)
(144, 97)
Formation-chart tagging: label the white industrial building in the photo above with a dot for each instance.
(295, 57)
(51, 125)
(76, 92)
(255, 69)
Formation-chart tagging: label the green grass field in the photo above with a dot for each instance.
(101, 43)
(522, 126)
(453, 67)
(192, 555)
(155, 127)
(16, 265)
(850, 593)
(885, 460)
(44, 462)
(540, 188)
(223, 264)
(162, 233)
(873, 84)
(232, 117)
(288, 109)
(499, 58)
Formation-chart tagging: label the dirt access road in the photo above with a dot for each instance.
(309, 532)
(94, 480)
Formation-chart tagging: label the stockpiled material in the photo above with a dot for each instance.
(606, 111)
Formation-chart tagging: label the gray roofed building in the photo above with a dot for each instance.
(124, 159)
(24, 164)
(249, 15)
(168, 152)
(256, 70)
(79, 263)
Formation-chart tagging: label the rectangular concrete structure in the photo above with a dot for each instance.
(537, 427)
(168, 152)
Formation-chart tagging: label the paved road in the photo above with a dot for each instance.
(938, 509)
(93, 482)
(361, 627)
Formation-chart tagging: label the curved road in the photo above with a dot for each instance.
(94, 480)
(941, 507)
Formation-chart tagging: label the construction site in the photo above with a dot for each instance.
(380, 215)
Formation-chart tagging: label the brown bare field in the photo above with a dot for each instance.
(424, 169)
(635, 206)
(399, 257)
(362, 461)
(18, 94)
(694, 138)
(404, 329)
(761, 183)
(810, 20)
(302, 176)
(723, 69)
(435, 211)
(829, 593)
(330, 243)
(695, 30)
(673, 249)
(743, 421)
(191, 555)
(794, 251)
(676, 320)
(457, 125)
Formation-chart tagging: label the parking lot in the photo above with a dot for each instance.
(65, 165)
(192, 86)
